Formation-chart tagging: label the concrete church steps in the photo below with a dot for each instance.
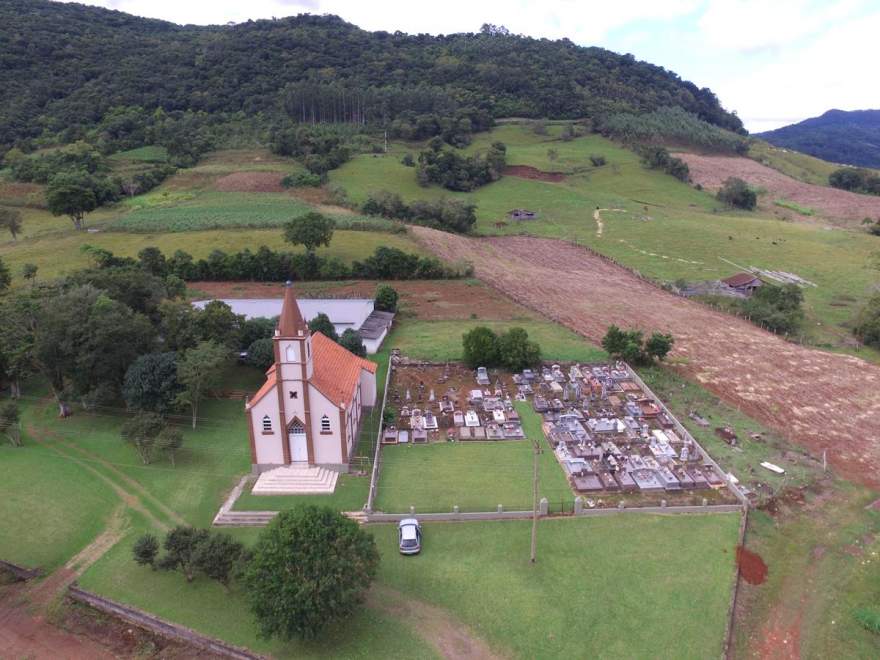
(296, 480)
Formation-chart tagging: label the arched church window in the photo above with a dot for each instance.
(325, 424)
(267, 424)
(297, 428)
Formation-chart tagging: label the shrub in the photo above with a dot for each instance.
(869, 618)
(386, 299)
(779, 308)
(737, 194)
(446, 214)
(351, 341)
(302, 180)
(655, 157)
(516, 351)
(867, 326)
(145, 550)
(321, 323)
(480, 347)
(855, 180)
(597, 160)
(630, 345)
(408, 160)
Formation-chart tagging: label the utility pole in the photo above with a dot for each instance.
(536, 450)
(386, 141)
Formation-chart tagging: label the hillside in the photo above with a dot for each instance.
(838, 136)
(64, 66)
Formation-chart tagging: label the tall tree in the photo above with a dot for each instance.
(141, 432)
(10, 219)
(72, 194)
(322, 323)
(218, 557)
(151, 383)
(310, 567)
(199, 370)
(311, 230)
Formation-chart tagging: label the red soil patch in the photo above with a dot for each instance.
(250, 182)
(25, 194)
(751, 566)
(712, 171)
(426, 300)
(528, 172)
(815, 399)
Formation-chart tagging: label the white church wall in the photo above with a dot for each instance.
(327, 449)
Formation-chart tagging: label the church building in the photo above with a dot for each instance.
(308, 412)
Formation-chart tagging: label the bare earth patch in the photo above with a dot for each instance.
(449, 637)
(529, 172)
(426, 300)
(815, 399)
(250, 182)
(712, 171)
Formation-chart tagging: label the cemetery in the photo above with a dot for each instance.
(613, 441)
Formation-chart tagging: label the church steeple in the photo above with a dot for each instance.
(291, 323)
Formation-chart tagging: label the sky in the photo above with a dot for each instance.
(774, 62)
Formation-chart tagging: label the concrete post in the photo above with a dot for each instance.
(705, 502)
(412, 511)
(455, 511)
(578, 505)
(544, 506)
(620, 504)
(663, 503)
(500, 508)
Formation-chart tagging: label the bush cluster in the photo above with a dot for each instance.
(446, 214)
(631, 345)
(512, 350)
(453, 171)
(867, 327)
(736, 193)
(779, 308)
(320, 147)
(659, 158)
(302, 180)
(267, 265)
(855, 180)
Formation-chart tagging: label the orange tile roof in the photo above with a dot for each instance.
(268, 386)
(336, 370)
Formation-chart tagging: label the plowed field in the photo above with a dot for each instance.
(712, 171)
(818, 400)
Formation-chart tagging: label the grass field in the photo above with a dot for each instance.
(51, 507)
(663, 598)
(440, 341)
(45, 250)
(667, 230)
(148, 154)
(476, 476)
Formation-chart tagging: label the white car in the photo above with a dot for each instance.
(409, 536)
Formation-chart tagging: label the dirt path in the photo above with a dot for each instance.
(600, 225)
(25, 636)
(817, 400)
(712, 171)
(449, 637)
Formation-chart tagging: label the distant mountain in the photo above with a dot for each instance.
(65, 67)
(837, 136)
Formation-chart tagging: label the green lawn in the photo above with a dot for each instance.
(148, 154)
(440, 341)
(476, 476)
(44, 250)
(51, 507)
(629, 586)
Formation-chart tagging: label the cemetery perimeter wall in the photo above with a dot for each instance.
(815, 399)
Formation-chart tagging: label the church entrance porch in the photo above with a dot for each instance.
(296, 480)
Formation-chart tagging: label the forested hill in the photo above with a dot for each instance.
(838, 136)
(63, 66)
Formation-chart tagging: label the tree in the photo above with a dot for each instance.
(847, 178)
(480, 347)
(145, 550)
(141, 432)
(178, 325)
(199, 370)
(168, 442)
(5, 277)
(218, 323)
(72, 194)
(257, 328)
(18, 318)
(322, 323)
(310, 567)
(151, 383)
(29, 272)
(152, 260)
(867, 326)
(311, 230)
(516, 352)
(351, 341)
(658, 346)
(9, 422)
(737, 194)
(219, 556)
(778, 308)
(261, 353)
(11, 220)
(181, 545)
(386, 298)
(552, 155)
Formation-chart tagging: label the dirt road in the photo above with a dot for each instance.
(818, 400)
